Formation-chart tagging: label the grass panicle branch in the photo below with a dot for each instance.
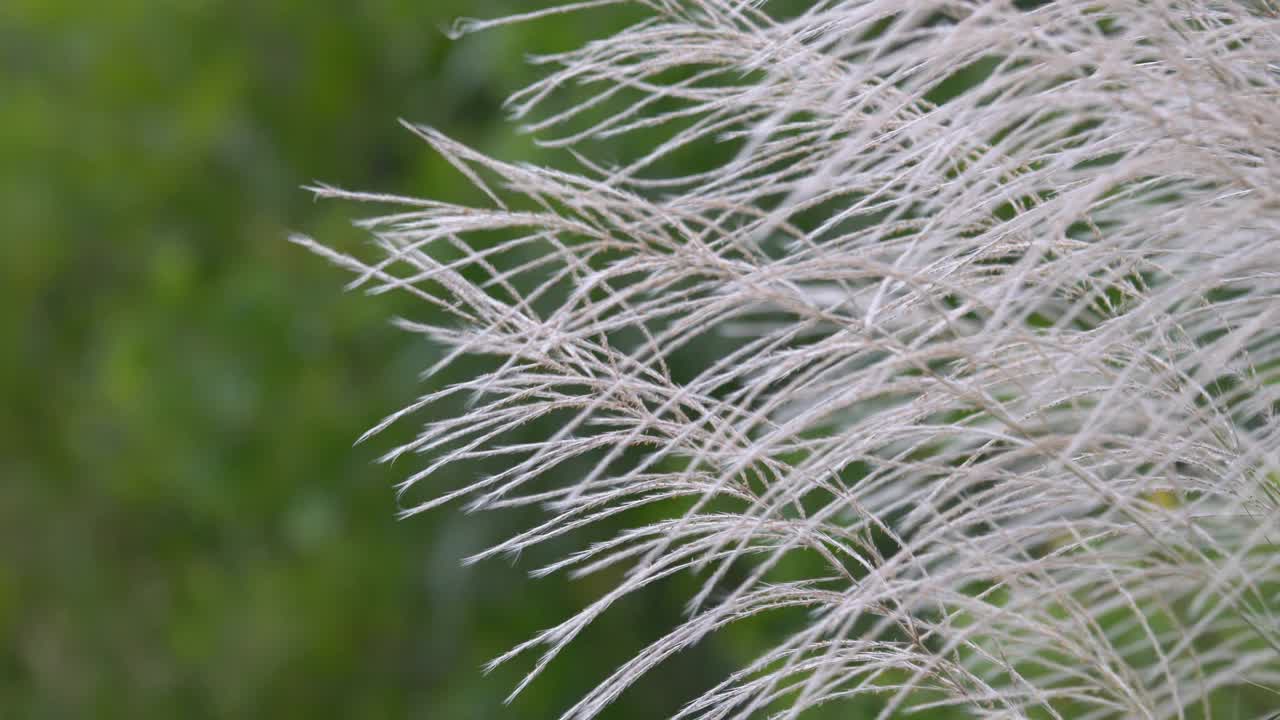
(993, 292)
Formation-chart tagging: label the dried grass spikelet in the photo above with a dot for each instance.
(1001, 284)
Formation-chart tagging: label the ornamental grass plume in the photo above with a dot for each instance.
(995, 293)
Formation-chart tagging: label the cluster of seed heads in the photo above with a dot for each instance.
(993, 290)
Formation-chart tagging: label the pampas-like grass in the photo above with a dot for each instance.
(1000, 288)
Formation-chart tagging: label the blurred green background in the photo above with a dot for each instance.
(186, 528)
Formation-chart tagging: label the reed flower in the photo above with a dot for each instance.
(994, 289)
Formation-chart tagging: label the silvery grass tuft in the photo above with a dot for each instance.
(999, 285)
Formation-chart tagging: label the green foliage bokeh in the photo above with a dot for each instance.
(186, 528)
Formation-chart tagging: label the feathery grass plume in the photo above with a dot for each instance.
(1000, 283)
